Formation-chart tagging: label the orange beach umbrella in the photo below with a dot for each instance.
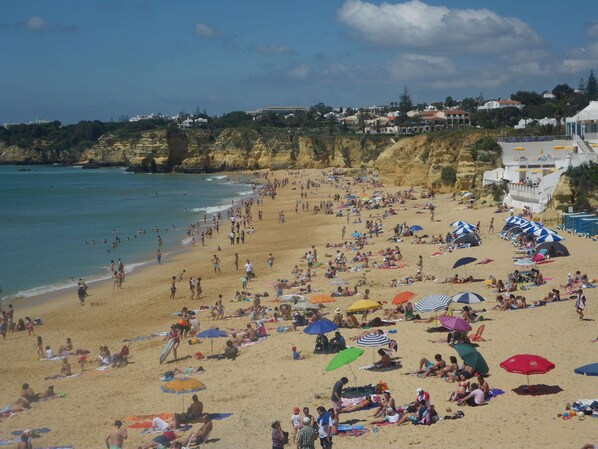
(403, 297)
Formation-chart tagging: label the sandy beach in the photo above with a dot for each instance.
(264, 383)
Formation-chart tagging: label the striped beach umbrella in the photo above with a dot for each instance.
(543, 231)
(513, 220)
(468, 298)
(464, 230)
(373, 340)
(433, 303)
(459, 224)
(549, 238)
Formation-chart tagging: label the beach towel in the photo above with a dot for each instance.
(220, 416)
(33, 431)
(10, 442)
(494, 392)
(148, 430)
(163, 416)
(373, 368)
(103, 368)
(56, 357)
(485, 261)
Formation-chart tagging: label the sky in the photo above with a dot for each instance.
(73, 60)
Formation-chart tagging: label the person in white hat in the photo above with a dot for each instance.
(422, 396)
(338, 317)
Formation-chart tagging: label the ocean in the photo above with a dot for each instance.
(57, 224)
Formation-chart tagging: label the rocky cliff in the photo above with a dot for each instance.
(414, 160)
(420, 160)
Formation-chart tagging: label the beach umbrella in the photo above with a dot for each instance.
(558, 147)
(519, 148)
(463, 230)
(211, 334)
(543, 231)
(351, 197)
(527, 364)
(459, 224)
(464, 261)
(515, 220)
(356, 234)
(373, 341)
(320, 299)
(292, 298)
(403, 297)
(454, 323)
(415, 228)
(472, 357)
(468, 298)
(364, 304)
(345, 357)
(182, 386)
(433, 303)
(549, 238)
(322, 326)
(305, 306)
(587, 370)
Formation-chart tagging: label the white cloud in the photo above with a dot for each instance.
(417, 25)
(299, 71)
(271, 49)
(37, 23)
(421, 67)
(591, 29)
(207, 32)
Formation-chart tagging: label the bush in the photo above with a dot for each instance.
(448, 175)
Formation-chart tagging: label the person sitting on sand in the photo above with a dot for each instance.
(25, 442)
(428, 368)
(231, 351)
(337, 343)
(449, 369)
(461, 391)
(385, 360)
(483, 385)
(364, 403)
(49, 393)
(386, 402)
(28, 394)
(66, 349)
(65, 370)
(475, 398)
(351, 321)
(415, 413)
(338, 318)
(104, 358)
(164, 440)
(251, 333)
(186, 371)
(194, 413)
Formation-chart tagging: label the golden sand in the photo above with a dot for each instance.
(264, 383)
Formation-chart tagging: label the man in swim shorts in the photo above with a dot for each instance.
(117, 436)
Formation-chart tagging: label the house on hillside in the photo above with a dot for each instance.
(500, 104)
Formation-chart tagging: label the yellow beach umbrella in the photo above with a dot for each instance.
(594, 145)
(364, 304)
(521, 170)
(537, 171)
(519, 148)
(569, 147)
(558, 147)
(320, 299)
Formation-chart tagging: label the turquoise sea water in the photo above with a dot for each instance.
(50, 215)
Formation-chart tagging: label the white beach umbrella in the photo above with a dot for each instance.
(433, 303)
(459, 224)
(464, 230)
(468, 298)
(373, 340)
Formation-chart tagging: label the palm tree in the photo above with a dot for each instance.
(560, 106)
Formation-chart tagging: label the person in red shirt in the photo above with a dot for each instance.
(422, 396)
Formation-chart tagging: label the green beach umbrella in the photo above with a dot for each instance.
(345, 357)
(472, 357)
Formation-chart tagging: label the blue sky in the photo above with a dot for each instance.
(72, 60)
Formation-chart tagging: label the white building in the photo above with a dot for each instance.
(585, 125)
(524, 122)
(500, 104)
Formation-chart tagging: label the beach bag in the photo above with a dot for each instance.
(285, 437)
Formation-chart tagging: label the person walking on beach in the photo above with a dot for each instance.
(270, 261)
(172, 287)
(192, 287)
(198, 286)
(117, 436)
(344, 230)
(236, 261)
(249, 271)
(159, 257)
(216, 264)
(491, 227)
(82, 291)
(580, 303)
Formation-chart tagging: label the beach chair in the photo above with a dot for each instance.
(478, 334)
(121, 359)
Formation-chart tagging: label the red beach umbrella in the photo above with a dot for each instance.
(527, 364)
(402, 297)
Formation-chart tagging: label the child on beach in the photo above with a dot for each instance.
(296, 422)
(296, 354)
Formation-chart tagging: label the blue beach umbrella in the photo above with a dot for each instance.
(416, 228)
(464, 230)
(373, 340)
(468, 298)
(432, 303)
(587, 370)
(464, 261)
(211, 334)
(320, 327)
(356, 234)
(549, 238)
(543, 231)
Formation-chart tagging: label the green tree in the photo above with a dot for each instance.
(449, 102)
(469, 104)
(448, 175)
(562, 90)
(592, 87)
(405, 103)
(559, 103)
